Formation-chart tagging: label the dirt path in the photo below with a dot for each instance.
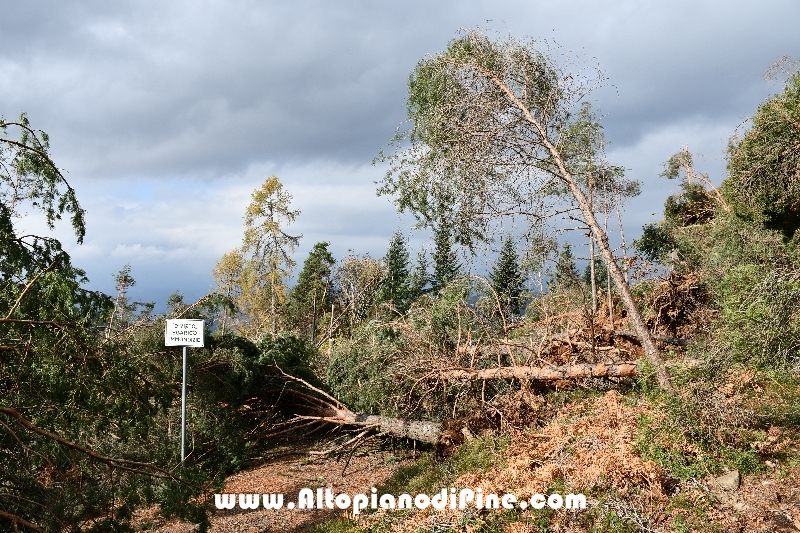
(288, 476)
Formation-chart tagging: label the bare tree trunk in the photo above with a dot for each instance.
(577, 371)
(649, 346)
(592, 274)
(608, 278)
(314, 319)
(635, 317)
(421, 430)
(621, 233)
(639, 326)
(272, 308)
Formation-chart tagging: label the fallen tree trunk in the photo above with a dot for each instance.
(577, 371)
(329, 410)
(420, 430)
(631, 335)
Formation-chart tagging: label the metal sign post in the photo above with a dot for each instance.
(183, 404)
(184, 333)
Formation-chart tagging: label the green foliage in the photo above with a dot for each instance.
(693, 206)
(375, 370)
(566, 273)
(763, 183)
(419, 278)
(656, 242)
(311, 296)
(396, 288)
(492, 122)
(255, 275)
(600, 274)
(290, 353)
(685, 444)
(28, 177)
(446, 267)
(383, 368)
(685, 213)
(760, 317)
(364, 371)
(357, 285)
(90, 400)
(507, 278)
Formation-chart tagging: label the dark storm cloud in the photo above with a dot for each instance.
(167, 114)
(154, 88)
(210, 88)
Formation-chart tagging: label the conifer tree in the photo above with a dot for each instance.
(506, 277)
(311, 296)
(446, 267)
(257, 272)
(566, 273)
(600, 274)
(419, 278)
(396, 288)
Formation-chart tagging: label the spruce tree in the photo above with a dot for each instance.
(396, 285)
(507, 278)
(600, 274)
(566, 273)
(419, 279)
(446, 267)
(311, 296)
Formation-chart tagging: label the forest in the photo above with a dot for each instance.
(659, 376)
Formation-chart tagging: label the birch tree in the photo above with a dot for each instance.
(493, 134)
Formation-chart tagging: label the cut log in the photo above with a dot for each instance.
(595, 370)
(332, 411)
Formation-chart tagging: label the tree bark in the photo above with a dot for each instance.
(661, 338)
(635, 317)
(639, 326)
(431, 432)
(578, 371)
(420, 430)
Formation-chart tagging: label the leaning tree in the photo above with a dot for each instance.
(499, 128)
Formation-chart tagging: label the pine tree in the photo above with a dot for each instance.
(506, 277)
(566, 273)
(311, 296)
(446, 267)
(419, 278)
(395, 287)
(600, 274)
(255, 274)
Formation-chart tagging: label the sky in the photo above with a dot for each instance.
(165, 116)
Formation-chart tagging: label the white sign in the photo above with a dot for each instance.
(184, 333)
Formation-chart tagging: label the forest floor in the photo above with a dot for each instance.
(590, 444)
(287, 476)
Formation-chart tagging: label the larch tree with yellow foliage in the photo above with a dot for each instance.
(254, 276)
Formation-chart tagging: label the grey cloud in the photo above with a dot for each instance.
(135, 94)
(148, 88)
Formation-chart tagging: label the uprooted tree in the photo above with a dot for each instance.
(496, 131)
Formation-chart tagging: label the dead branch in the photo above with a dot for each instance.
(21, 521)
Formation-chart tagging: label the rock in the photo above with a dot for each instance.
(729, 481)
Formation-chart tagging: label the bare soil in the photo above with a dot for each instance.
(288, 476)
